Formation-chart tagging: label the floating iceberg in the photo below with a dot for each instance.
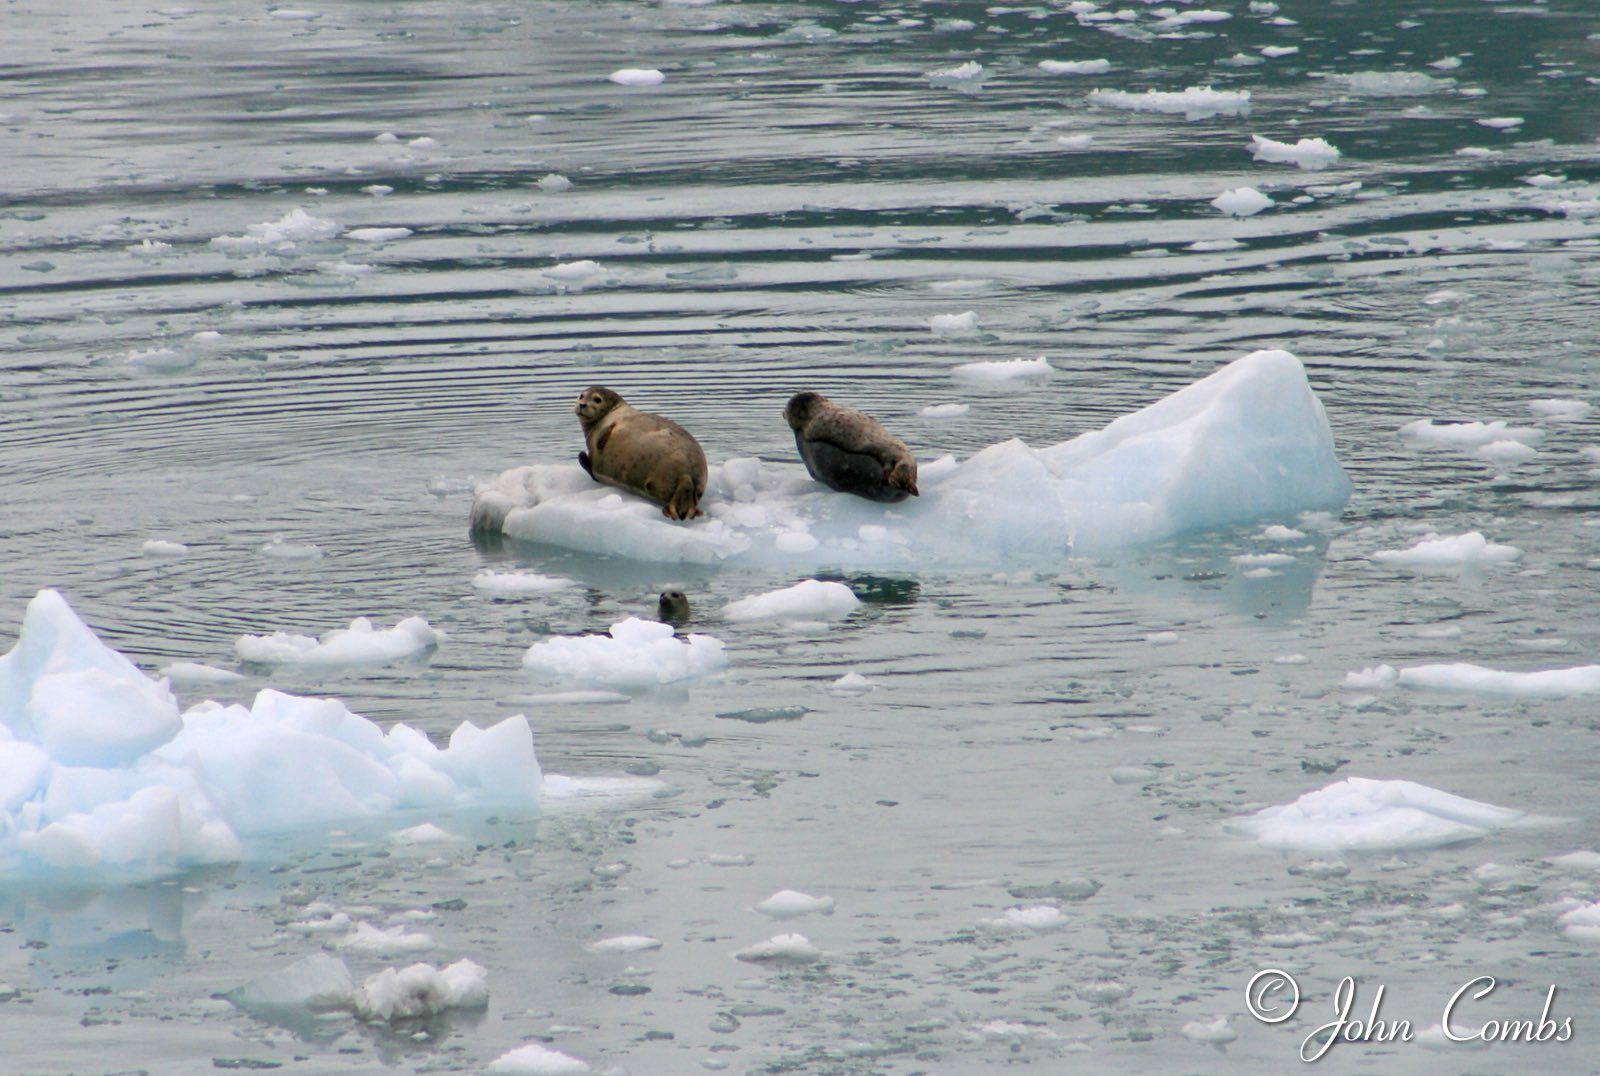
(1311, 154)
(1455, 551)
(1003, 370)
(359, 644)
(322, 983)
(637, 76)
(810, 599)
(100, 772)
(1249, 441)
(1425, 431)
(1075, 67)
(1542, 684)
(637, 654)
(1241, 202)
(1195, 103)
(1363, 815)
(293, 227)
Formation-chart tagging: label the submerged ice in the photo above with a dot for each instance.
(1250, 441)
(100, 771)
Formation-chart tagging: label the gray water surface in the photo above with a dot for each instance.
(788, 210)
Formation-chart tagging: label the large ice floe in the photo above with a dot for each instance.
(1360, 814)
(99, 771)
(1250, 441)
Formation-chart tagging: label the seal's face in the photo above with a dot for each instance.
(673, 606)
(593, 405)
(801, 406)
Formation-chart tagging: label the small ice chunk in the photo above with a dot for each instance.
(377, 235)
(1162, 638)
(1261, 560)
(1003, 370)
(1310, 154)
(1393, 83)
(1194, 103)
(1074, 67)
(963, 76)
(293, 227)
(1560, 410)
(318, 982)
(1362, 814)
(1456, 551)
(160, 360)
(1500, 123)
(282, 549)
(359, 644)
(554, 183)
(948, 410)
(1374, 676)
(851, 683)
(624, 943)
(421, 990)
(1037, 919)
(536, 1060)
(156, 547)
(1241, 202)
(1425, 431)
(1277, 532)
(1505, 453)
(811, 599)
(637, 654)
(1210, 1032)
(517, 584)
(194, 674)
(1582, 924)
(573, 272)
(637, 76)
(1173, 18)
(964, 324)
(791, 904)
(780, 949)
(1075, 141)
(1546, 684)
(372, 940)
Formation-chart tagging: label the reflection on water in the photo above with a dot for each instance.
(298, 277)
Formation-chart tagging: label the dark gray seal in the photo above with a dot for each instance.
(641, 453)
(850, 451)
(673, 607)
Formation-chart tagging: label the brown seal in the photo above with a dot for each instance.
(849, 451)
(641, 453)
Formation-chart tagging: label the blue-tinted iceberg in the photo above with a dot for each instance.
(1250, 441)
(100, 771)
